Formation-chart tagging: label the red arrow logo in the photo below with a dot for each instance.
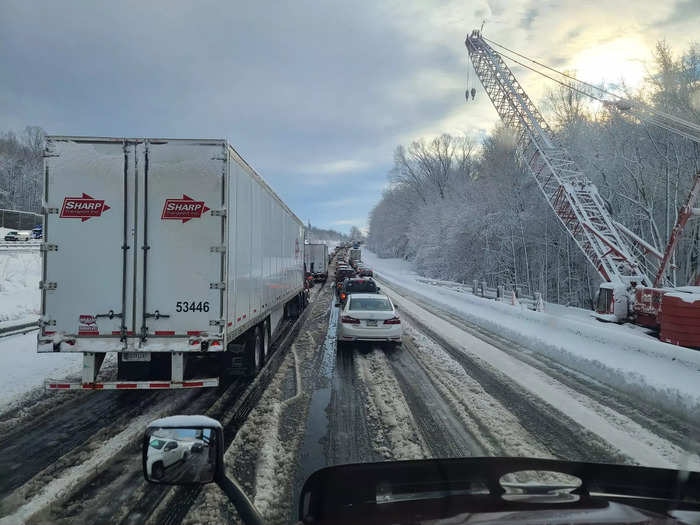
(183, 209)
(82, 208)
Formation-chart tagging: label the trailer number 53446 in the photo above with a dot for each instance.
(192, 306)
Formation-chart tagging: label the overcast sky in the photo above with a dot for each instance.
(314, 95)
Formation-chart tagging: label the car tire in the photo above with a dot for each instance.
(157, 470)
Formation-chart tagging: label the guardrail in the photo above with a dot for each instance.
(21, 328)
(20, 246)
(503, 293)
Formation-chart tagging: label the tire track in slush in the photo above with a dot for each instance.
(349, 437)
(445, 433)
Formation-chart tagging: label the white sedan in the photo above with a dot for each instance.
(368, 317)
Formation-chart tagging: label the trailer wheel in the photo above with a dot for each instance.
(254, 356)
(132, 370)
(161, 366)
(266, 338)
(292, 308)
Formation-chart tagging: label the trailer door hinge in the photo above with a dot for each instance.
(217, 286)
(219, 213)
(46, 285)
(216, 322)
(46, 247)
(222, 158)
(217, 249)
(50, 211)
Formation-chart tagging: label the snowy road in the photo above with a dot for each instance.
(454, 388)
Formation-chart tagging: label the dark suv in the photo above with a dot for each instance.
(342, 273)
(357, 285)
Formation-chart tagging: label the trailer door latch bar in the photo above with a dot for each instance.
(156, 315)
(110, 315)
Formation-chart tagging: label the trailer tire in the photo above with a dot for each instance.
(161, 366)
(254, 357)
(266, 338)
(132, 370)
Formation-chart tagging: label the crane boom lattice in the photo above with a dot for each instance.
(616, 256)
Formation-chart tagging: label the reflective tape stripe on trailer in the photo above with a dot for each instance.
(133, 385)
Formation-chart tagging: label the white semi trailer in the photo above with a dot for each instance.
(316, 261)
(167, 252)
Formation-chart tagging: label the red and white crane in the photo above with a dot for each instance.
(632, 269)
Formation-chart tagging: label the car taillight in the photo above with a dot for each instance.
(393, 320)
(349, 320)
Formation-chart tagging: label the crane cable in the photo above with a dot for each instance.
(661, 124)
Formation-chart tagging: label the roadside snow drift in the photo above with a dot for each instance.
(622, 356)
(21, 368)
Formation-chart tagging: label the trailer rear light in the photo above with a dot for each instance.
(346, 319)
(393, 320)
(215, 343)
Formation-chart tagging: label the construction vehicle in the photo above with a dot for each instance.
(637, 284)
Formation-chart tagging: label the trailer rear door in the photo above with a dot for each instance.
(183, 263)
(84, 276)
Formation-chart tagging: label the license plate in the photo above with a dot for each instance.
(136, 356)
(371, 323)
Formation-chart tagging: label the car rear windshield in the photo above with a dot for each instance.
(357, 287)
(380, 304)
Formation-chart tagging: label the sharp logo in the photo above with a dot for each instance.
(82, 208)
(87, 319)
(183, 209)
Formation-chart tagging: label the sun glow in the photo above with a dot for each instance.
(617, 61)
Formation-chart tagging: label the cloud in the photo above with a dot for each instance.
(314, 95)
(349, 222)
(334, 167)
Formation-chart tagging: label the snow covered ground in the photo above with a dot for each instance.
(21, 368)
(622, 356)
(20, 273)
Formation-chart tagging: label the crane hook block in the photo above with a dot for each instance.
(473, 93)
(466, 94)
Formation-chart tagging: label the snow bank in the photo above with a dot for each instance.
(622, 356)
(20, 273)
(626, 436)
(22, 369)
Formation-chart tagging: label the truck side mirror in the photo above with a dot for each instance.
(198, 458)
(195, 450)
